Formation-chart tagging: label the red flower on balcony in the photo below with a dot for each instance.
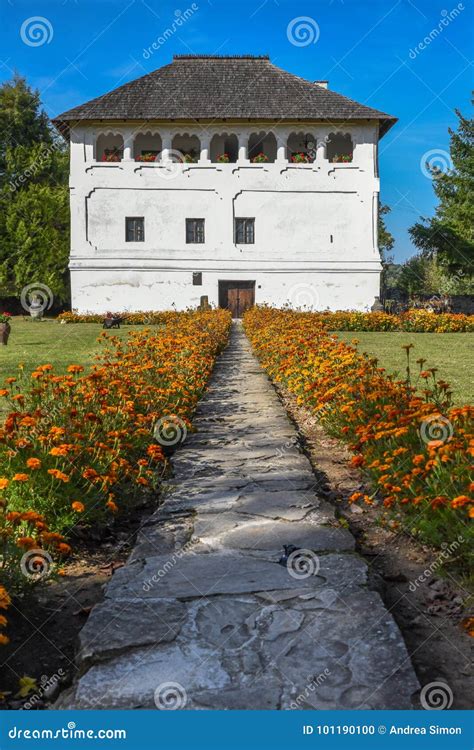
(112, 154)
(260, 158)
(301, 158)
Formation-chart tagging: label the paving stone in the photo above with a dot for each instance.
(132, 680)
(203, 602)
(239, 532)
(203, 575)
(121, 624)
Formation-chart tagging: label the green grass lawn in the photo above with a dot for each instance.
(34, 343)
(451, 353)
(39, 343)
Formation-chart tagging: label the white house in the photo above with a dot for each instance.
(226, 177)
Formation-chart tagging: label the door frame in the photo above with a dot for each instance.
(225, 284)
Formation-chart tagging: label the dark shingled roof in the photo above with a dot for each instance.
(209, 87)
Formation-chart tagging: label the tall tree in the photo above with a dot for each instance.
(34, 211)
(22, 120)
(449, 235)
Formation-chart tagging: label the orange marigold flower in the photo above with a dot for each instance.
(357, 460)
(90, 474)
(63, 548)
(4, 639)
(20, 477)
(460, 501)
(419, 459)
(4, 483)
(78, 507)
(60, 450)
(58, 475)
(33, 463)
(5, 600)
(111, 506)
(26, 541)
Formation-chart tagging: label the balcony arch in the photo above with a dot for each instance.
(301, 147)
(147, 146)
(262, 147)
(224, 147)
(187, 145)
(339, 148)
(109, 147)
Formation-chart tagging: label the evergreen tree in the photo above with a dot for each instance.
(449, 235)
(34, 210)
(22, 121)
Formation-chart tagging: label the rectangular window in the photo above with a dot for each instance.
(244, 231)
(197, 278)
(195, 231)
(134, 229)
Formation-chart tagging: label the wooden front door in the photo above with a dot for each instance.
(237, 296)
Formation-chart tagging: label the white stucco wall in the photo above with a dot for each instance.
(315, 224)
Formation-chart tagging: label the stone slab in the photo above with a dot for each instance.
(203, 575)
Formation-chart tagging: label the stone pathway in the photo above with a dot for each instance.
(204, 616)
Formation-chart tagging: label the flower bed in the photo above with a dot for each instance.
(128, 319)
(415, 321)
(413, 448)
(75, 448)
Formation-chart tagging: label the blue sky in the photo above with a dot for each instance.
(368, 49)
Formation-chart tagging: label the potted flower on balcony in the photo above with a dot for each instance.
(5, 327)
(223, 158)
(112, 154)
(342, 158)
(190, 158)
(260, 158)
(301, 158)
(147, 156)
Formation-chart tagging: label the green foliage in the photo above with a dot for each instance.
(449, 235)
(34, 206)
(422, 275)
(22, 122)
(37, 226)
(386, 238)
